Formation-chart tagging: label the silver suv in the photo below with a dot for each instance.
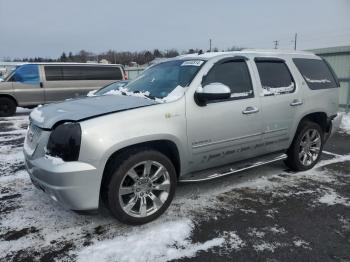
(192, 118)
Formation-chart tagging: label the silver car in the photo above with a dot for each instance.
(41, 83)
(191, 118)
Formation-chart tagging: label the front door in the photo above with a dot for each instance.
(229, 130)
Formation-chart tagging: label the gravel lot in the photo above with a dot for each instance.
(265, 214)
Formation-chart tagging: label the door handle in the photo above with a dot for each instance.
(250, 110)
(296, 102)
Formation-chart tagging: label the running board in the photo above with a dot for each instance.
(232, 168)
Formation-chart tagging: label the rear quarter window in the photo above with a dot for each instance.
(316, 73)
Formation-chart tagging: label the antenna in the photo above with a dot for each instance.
(276, 42)
(295, 41)
(210, 45)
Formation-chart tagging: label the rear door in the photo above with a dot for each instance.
(70, 81)
(281, 100)
(27, 88)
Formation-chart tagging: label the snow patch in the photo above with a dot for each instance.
(264, 246)
(233, 241)
(125, 91)
(319, 81)
(244, 94)
(91, 93)
(162, 242)
(332, 198)
(301, 243)
(271, 91)
(345, 124)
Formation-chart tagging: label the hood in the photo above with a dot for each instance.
(83, 108)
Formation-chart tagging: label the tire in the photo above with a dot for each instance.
(7, 107)
(303, 154)
(141, 200)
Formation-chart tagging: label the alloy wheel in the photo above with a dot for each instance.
(144, 189)
(310, 147)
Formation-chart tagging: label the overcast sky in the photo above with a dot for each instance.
(47, 28)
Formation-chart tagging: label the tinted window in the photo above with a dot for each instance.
(53, 73)
(27, 74)
(235, 75)
(59, 73)
(316, 73)
(275, 77)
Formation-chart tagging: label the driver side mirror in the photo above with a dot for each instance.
(213, 91)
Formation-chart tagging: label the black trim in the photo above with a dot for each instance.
(336, 80)
(269, 59)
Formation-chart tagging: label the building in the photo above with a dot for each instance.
(339, 58)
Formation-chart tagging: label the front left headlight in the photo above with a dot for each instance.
(64, 141)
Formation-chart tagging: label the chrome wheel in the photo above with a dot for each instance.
(310, 146)
(144, 189)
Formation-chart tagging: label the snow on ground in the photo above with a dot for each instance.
(34, 226)
(162, 242)
(345, 124)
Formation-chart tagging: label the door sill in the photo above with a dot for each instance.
(230, 169)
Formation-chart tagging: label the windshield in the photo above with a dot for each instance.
(111, 87)
(161, 79)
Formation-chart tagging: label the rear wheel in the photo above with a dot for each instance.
(7, 107)
(306, 148)
(141, 187)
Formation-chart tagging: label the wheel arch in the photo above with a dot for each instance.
(320, 118)
(167, 147)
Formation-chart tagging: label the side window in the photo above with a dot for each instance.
(53, 73)
(275, 77)
(103, 73)
(27, 74)
(316, 73)
(234, 74)
(68, 73)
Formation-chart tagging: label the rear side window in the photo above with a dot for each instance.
(67, 73)
(275, 77)
(234, 74)
(316, 73)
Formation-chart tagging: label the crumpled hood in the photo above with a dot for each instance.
(83, 108)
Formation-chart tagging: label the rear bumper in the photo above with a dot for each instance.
(75, 185)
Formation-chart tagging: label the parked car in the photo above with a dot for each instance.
(33, 84)
(110, 88)
(228, 112)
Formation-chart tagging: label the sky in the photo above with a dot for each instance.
(46, 28)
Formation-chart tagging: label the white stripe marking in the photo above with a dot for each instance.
(330, 153)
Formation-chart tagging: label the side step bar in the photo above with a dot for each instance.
(231, 169)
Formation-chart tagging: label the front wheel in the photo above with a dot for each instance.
(7, 107)
(306, 148)
(141, 187)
